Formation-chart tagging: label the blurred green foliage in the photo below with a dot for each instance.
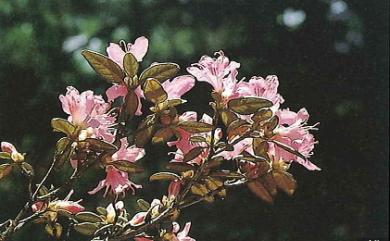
(331, 56)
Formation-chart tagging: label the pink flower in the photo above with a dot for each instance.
(118, 181)
(264, 88)
(138, 49)
(293, 132)
(219, 72)
(184, 145)
(178, 86)
(65, 204)
(116, 53)
(11, 150)
(88, 110)
(182, 235)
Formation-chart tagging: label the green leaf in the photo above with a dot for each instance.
(86, 228)
(180, 167)
(154, 92)
(126, 166)
(198, 139)
(100, 145)
(104, 66)
(163, 135)
(248, 105)
(5, 169)
(195, 127)
(27, 169)
(101, 211)
(62, 125)
(160, 71)
(131, 103)
(262, 115)
(143, 205)
(5, 155)
(164, 176)
(228, 117)
(130, 65)
(260, 148)
(145, 131)
(88, 217)
(193, 153)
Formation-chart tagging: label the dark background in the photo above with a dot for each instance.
(331, 57)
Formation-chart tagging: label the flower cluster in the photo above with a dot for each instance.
(249, 139)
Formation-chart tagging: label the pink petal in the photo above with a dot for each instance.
(116, 91)
(7, 147)
(139, 48)
(115, 53)
(178, 86)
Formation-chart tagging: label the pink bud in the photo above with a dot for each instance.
(174, 188)
(8, 147)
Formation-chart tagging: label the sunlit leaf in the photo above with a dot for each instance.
(143, 205)
(27, 169)
(100, 145)
(260, 147)
(164, 176)
(130, 65)
(163, 135)
(198, 139)
(5, 155)
(272, 123)
(145, 131)
(153, 91)
(238, 127)
(88, 217)
(86, 228)
(62, 125)
(228, 117)
(193, 153)
(248, 105)
(180, 167)
(195, 127)
(104, 66)
(262, 115)
(126, 166)
(160, 71)
(5, 169)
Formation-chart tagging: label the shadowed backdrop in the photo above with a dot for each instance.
(331, 56)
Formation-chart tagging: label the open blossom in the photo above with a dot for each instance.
(219, 72)
(264, 88)
(11, 150)
(293, 132)
(116, 53)
(88, 111)
(138, 49)
(118, 181)
(54, 206)
(184, 145)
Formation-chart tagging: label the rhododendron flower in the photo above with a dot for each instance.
(138, 49)
(139, 218)
(11, 150)
(182, 235)
(178, 86)
(116, 53)
(88, 110)
(54, 206)
(264, 88)
(111, 213)
(184, 145)
(293, 132)
(118, 181)
(219, 72)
